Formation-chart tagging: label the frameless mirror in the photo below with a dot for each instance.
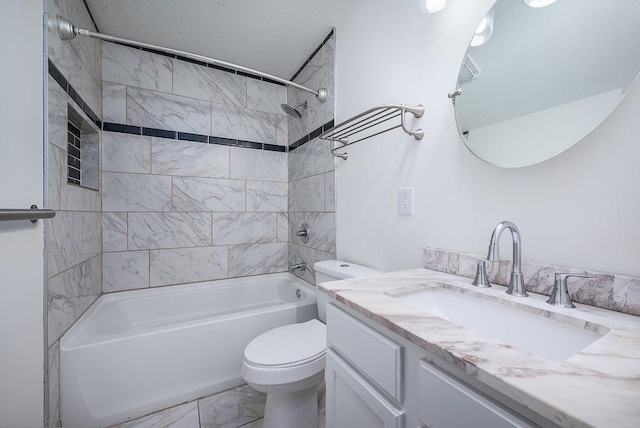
(537, 80)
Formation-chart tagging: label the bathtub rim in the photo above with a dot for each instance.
(113, 297)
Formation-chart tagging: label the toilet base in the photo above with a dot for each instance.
(296, 409)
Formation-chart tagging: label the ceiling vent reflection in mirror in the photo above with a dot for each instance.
(469, 70)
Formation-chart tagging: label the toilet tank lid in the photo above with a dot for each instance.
(344, 270)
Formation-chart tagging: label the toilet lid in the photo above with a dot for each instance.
(290, 345)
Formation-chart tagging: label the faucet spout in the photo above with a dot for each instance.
(299, 266)
(516, 283)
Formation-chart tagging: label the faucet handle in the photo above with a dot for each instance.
(560, 295)
(481, 280)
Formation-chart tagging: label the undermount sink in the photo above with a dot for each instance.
(535, 333)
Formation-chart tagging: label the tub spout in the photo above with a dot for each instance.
(299, 266)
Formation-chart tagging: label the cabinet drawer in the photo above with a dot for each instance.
(376, 357)
(445, 402)
(353, 403)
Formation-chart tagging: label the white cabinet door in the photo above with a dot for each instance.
(376, 357)
(352, 402)
(445, 402)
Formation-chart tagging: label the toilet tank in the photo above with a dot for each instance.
(335, 270)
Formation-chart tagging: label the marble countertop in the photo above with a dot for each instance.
(599, 386)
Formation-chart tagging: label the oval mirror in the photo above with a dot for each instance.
(537, 80)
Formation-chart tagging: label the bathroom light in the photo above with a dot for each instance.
(484, 31)
(539, 3)
(432, 6)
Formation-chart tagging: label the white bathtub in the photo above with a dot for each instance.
(136, 352)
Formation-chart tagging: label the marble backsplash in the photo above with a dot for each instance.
(615, 292)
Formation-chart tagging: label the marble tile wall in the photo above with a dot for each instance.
(177, 211)
(619, 293)
(318, 73)
(312, 167)
(150, 90)
(73, 237)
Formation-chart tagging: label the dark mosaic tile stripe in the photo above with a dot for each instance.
(222, 141)
(193, 137)
(313, 134)
(153, 132)
(75, 96)
(58, 76)
(275, 148)
(249, 144)
(326, 39)
(124, 129)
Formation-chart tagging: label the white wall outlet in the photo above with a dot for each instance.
(405, 201)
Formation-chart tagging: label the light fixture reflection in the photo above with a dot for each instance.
(432, 6)
(539, 3)
(484, 31)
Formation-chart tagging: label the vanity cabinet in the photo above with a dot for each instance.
(352, 402)
(363, 374)
(375, 378)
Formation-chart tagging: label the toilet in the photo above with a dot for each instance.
(287, 363)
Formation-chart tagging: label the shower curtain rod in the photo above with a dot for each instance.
(67, 31)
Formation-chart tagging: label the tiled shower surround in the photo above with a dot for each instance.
(177, 211)
(73, 239)
(311, 165)
(171, 208)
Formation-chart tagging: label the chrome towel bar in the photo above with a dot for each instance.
(357, 126)
(33, 214)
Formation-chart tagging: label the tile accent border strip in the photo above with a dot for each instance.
(55, 73)
(184, 136)
(310, 136)
(620, 293)
(326, 39)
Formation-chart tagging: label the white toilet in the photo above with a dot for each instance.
(287, 363)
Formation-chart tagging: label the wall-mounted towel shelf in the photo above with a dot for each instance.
(366, 125)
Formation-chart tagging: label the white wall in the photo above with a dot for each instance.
(580, 209)
(21, 243)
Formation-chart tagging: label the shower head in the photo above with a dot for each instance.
(293, 111)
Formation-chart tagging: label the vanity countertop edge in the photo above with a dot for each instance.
(599, 386)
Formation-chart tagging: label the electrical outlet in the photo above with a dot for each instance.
(405, 201)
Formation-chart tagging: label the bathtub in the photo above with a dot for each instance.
(136, 352)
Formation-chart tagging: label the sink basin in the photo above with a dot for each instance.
(535, 333)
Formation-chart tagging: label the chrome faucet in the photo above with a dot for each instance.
(560, 295)
(516, 283)
(299, 266)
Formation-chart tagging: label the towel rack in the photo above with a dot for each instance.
(357, 126)
(32, 214)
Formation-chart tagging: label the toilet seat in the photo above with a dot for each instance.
(288, 346)
(286, 358)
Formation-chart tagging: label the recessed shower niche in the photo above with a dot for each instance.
(83, 150)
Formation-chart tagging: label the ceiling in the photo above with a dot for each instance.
(272, 36)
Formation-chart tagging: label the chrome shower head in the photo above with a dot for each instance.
(293, 111)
